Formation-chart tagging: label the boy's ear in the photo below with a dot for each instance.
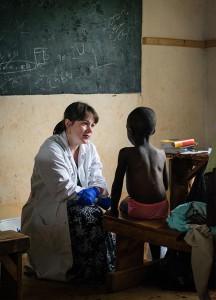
(130, 130)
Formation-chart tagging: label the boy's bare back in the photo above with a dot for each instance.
(146, 175)
(143, 165)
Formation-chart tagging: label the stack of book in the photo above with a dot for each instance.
(178, 145)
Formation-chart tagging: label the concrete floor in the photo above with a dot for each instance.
(36, 289)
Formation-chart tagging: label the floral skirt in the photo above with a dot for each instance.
(93, 248)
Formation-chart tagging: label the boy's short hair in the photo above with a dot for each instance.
(142, 119)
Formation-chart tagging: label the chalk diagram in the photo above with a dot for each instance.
(78, 66)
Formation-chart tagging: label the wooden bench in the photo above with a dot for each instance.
(131, 270)
(12, 246)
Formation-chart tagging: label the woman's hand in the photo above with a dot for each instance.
(87, 196)
(105, 203)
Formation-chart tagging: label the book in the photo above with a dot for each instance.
(179, 150)
(177, 143)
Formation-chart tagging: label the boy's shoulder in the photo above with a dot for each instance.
(159, 151)
(152, 149)
(126, 149)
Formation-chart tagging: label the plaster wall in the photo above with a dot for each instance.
(173, 83)
(174, 78)
(210, 103)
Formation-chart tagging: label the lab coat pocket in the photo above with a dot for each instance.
(47, 236)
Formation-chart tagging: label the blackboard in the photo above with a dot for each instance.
(70, 46)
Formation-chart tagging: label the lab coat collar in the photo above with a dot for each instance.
(64, 142)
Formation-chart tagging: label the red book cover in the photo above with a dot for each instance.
(184, 143)
(177, 143)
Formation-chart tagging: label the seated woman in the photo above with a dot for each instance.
(61, 215)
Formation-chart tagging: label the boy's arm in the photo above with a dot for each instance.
(118, 182)
(165, 176)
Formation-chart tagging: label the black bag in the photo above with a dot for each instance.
(198, 190)
(176, 271)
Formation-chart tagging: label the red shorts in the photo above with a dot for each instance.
(139, 210)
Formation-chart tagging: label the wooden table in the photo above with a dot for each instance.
(182, 169)
(12, 246)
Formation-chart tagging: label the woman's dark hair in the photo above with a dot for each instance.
(76, 111)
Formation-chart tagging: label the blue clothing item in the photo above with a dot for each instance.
(213, 230)
(183, 216)
(105, 203)
(87, 196)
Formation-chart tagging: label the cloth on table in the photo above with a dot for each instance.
(183, 216)
(190, 218)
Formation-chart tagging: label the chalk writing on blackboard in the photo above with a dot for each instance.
(52, 47)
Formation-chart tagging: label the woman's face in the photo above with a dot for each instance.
(80, 132)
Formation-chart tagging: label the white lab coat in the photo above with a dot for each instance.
(44, 216)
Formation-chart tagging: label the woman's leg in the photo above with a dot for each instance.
(93, 248)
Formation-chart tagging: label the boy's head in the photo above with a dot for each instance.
(142, 121)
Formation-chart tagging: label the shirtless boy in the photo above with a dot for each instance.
(145, 168)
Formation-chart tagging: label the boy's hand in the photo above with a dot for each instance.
(87, 196)
(112, 212)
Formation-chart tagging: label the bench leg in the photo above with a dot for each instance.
(130, 267)
(11, 276)
(129, 253)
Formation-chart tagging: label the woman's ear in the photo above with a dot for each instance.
(68, 123)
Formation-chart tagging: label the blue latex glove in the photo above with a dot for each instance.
(87, 196)
(105, 203)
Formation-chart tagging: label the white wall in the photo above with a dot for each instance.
(173, 83)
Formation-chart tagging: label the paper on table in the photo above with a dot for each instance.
(195, 152)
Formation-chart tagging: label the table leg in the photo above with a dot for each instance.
(179, 186)
(11, 276)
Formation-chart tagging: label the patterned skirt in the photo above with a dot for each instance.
(93, 248)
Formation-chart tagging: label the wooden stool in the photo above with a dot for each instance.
(12, 245)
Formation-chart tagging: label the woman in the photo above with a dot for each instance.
(61, 216)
